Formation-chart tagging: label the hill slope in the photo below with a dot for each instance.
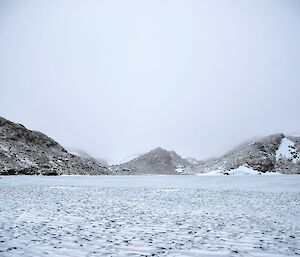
(277, 152)
(27, 152)
(157, 161)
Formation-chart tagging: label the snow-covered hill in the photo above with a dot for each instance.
(157, 161)
(27, 152)
(275, 153)
(23, 151)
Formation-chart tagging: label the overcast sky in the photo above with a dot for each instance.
(116, 78)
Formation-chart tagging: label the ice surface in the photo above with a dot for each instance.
(150, 216)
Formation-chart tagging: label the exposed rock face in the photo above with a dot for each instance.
(259, 155)
(27, 152)
(157, 161)
(277, 152)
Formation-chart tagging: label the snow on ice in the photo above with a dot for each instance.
(150, 216)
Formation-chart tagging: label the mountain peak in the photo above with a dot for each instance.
(158, 149)
(157, 161)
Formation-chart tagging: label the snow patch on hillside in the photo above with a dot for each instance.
(4, 148)
(240, 171)
(243, 170)
(180, 169)
(287, 150)
(27, 162)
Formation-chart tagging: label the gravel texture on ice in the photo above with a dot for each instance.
(150, 216)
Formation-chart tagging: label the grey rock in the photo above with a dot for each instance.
(26, 152)
(157, 161)
(259, 155)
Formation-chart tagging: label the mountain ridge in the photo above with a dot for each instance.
(259, 155)
(29, 152)
(156, 161)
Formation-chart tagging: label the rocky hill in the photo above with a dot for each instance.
(27, 152)
(277, 152)
(157, 161)
(23, 151)
(274, 153)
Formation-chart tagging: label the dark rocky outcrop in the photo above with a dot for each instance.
(26, 152)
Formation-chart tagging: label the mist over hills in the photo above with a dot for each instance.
(274, 153)
(26, 152)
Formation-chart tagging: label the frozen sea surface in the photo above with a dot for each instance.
(150, 216)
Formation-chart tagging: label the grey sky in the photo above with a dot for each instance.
(116, 78)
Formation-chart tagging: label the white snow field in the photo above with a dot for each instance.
(150, 216)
